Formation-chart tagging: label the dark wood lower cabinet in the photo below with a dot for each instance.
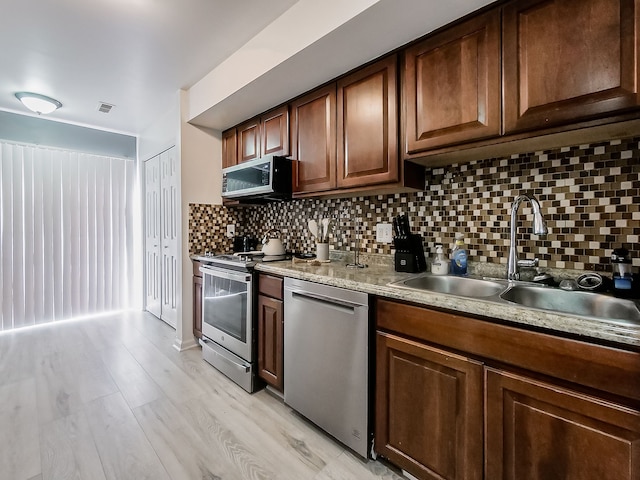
(551, 408)
(197, 300)
(538, 431)
(270, 336)
(271, 330)
(428, 409)
(197, 307)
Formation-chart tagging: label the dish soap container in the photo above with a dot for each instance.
(622, 273)
(459, 256)
(439, 264)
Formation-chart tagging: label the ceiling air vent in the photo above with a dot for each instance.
(104, 107)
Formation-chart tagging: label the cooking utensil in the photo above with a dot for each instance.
(313, 227)
(326, 222)
(407, 227)
(396, 229)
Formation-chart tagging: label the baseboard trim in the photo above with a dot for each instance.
(182, 345)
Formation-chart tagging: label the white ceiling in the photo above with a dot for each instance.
(134, 54)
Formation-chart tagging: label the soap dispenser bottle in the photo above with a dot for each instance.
(622, 273)
(459, 256)
(439, 264)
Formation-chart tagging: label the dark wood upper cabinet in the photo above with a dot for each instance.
(229, 148)
(248, 140)
(313, 140)
(368, 126)
(536, 430)
(566, 61)
(451, 85)
(429, 410)
(275, 132)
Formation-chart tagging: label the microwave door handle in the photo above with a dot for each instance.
(226, 274)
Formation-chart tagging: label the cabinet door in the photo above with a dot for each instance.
(152, 260)
(275, 132)
(169, 207)
(229, 148)
(313, 140)
(452, 85)
(270, 340)
(368, 126)
(567, 61)
(248, 140)
(197, 306)
(541, 431)
(428, 410)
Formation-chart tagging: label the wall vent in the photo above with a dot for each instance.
(104, 107)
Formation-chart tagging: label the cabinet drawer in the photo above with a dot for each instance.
(540, 430)
(270, 286)
(611, 370)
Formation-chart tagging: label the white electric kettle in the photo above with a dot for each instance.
(271, 243)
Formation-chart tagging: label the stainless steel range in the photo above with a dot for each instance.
(229, 316)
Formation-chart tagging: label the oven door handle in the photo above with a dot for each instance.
(225, 273)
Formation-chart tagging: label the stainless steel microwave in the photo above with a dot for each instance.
(268, 178)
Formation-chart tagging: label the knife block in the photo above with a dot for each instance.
(409, 256)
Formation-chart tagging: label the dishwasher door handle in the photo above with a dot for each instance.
(341, 305)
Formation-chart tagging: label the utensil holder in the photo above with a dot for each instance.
(322, 251)
(409, 256)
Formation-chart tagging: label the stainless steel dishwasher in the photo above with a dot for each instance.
(326, 359)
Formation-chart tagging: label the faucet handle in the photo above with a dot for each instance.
(528, 263)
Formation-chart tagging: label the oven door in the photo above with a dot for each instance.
(227, 317)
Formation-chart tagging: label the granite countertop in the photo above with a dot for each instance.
(374, 280)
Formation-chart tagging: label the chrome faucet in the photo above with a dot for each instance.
(539, 228)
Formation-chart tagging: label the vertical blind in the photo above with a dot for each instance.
(66, 234)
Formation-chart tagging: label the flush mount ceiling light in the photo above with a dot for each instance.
(38, 103)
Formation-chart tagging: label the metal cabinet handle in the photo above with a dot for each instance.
(347, 307)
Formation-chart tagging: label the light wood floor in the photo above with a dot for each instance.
(111, 399)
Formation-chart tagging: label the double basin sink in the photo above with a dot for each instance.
(580, 303)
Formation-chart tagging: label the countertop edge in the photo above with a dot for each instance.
(375, 280)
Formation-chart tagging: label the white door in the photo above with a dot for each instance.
(152, 264)
(169, 234)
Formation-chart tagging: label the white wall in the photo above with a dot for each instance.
(50, 133)
(200, 152)
(300, 26)
(162, 134)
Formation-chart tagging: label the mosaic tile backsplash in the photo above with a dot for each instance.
(208, 228)
(590, 197)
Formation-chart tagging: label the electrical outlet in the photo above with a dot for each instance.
(231, 231)
(383, 233)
